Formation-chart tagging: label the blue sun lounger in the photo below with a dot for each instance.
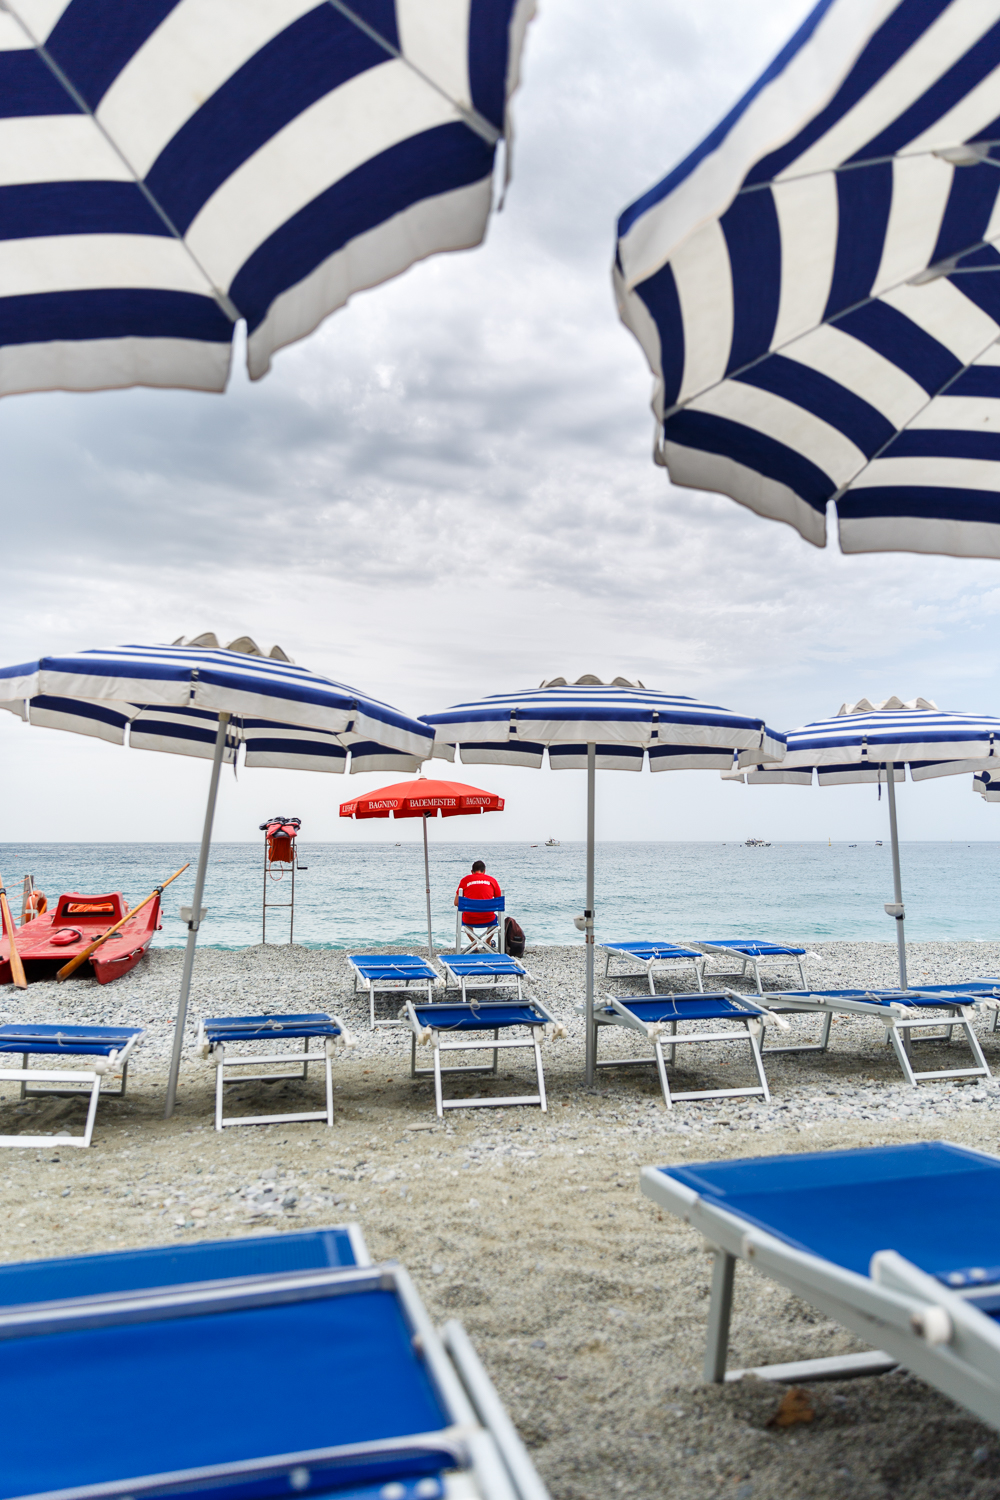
(657, 1020)
(653, 959)
(483, 971)
(220, 1032)
(111, 1046)
(388, 974)
(897, 1243)
(371, 1401)
(453, 1027)
(117, 1271)
(753, 953)
(901, 1012)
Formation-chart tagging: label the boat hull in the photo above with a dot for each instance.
(53, 939)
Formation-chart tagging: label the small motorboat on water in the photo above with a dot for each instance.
(552, 844)
(53, 938)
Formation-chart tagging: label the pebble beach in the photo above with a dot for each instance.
(585, 1302)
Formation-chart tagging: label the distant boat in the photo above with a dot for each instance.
(757, 844)
(552, 844)
(852, 846)
(878, 843)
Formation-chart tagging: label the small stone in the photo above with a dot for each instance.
(538, 1344)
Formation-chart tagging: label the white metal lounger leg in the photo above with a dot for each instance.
(329, 1088)
(438, 1094)
(899, 1046)
(758, 1061)
(662, 1070)
(820, 1046)
(541, 1078)
(219, 1082)
(719, 1313)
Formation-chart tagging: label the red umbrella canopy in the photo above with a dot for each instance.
(422, 798)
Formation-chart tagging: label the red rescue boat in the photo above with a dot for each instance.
(51, 940)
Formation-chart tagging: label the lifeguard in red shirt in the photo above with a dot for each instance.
(478, 887)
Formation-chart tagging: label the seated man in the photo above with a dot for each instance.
(478, 887)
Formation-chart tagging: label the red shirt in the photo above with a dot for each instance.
(478, 887)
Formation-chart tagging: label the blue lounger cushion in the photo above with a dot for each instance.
(482, 963)
(970, 987)
(936, 1204)
(687, 1008)
(875, 997)
(172, 1265)
(84, 1041)
(445, 1017)
(400, 966)
(647, 951)
(754, 949)
(348, 1373)
(267, 1028)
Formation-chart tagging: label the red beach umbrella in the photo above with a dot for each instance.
(423, 798)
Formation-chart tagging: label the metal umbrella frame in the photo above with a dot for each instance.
(423, 799)
(874, 742)
(592, 725)
(197, 698)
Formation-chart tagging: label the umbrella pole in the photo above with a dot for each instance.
(195, 922)
(897, 909)
(427, 888)
(589, 915)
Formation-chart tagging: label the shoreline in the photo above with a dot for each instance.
(591, 1316)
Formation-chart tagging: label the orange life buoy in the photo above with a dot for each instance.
(35, 905)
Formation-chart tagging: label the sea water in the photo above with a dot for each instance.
(357, 895)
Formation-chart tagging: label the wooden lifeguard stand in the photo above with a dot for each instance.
(281, 858)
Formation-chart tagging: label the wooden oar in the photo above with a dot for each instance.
(16, 966)
(81, 958)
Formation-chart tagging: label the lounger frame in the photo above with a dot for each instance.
(899, 1309)
(495, 1045)
(400, 985)
(754, 961)
(84, 1078)
(479, 1436)
(297, 1061)
(900, 1021)
(622, 1013)
(654, 965)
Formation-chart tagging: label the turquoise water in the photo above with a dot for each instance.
(367, 893)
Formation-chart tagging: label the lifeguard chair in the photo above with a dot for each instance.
(281, 858)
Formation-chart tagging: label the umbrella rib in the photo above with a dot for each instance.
(230, 309)
(475, 121)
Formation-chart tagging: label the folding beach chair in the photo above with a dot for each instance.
(112, 1045)
(449, 1027)
(217, 1034)
(653, 959)
(657, 1020)
(901, 1012)
(897, 1243)
(483, 971)
(984, 994)
(479, 937)
(332, 1382)
(181, 1265)
(753, 953)
(388, 974)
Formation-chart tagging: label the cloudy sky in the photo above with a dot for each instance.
(448, 491)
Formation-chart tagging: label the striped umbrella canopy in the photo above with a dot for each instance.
(592, 725)
(815, 285)
(875, 742)
(197, 698)
(171, 168)
(987, 784)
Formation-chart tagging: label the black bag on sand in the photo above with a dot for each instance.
(513, 938)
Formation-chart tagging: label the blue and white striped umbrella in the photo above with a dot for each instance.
(987, 784)
(815, 286)
(592, 725)
(195, 698)
(170, 167)
(875, 742)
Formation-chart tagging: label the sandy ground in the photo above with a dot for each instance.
(586, 1304)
